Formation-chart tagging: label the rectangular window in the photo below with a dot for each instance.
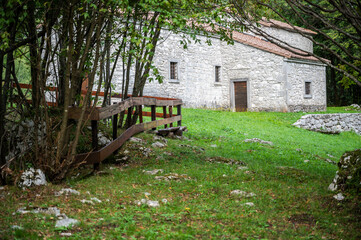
(174, 70)
(307, 88)
(217, 73)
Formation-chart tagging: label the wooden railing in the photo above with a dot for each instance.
(97, 114)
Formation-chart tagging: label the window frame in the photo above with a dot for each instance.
(307, 86)
(217, 74)
(176, 70)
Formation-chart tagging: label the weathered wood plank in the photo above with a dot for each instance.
(106, 151)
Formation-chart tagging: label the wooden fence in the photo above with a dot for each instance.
(97, 114)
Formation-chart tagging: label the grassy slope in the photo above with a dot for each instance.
(291, 200)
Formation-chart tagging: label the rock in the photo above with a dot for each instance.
(66, 234)
(348, 175)
(173, 176)
(67, 222)
(158, 145)
(242, 193)
(257, 140)
(339, 197)
(87, 201)
(103, 140)
(146, 151)
(153, 172)
(136, 140)
(149, 203)
(32, 177)
(332, 187)
(49, 211)
(250, 204)
(16, 227)
(224, 175)
(242, 168)
(94, 199)
(159, 138)
(147, 194)
(213, 146)
(306, 161)
(67, 191)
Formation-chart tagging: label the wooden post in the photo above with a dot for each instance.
(153, 114)
(94, 125)
(171, 114)
(115, 127)
(140, 110)
(179, 112)
(165, 115)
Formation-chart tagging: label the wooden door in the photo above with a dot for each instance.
(240, 96)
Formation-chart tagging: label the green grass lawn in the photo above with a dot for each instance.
(291, 198)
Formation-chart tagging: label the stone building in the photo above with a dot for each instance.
(253, 74)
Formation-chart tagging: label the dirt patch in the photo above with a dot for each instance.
(302, 218)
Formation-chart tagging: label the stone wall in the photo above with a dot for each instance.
(331, 123)
(297, 74)
(292, 38)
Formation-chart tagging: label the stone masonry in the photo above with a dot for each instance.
(274, 82)
(331, 123)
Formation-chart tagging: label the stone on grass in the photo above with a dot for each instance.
(153, 172)
(86, 201)
(250, 204)
(136, 140)
(66, 234)
(173, 176)
(147, 194)
(146, 151)
(242, 168)
(306, 161)
(339, 197)
(67, 191)
(242, 193)
(32, 177)
(348, 175)
(149, 203)
(16, 227)
(66, 222)
(257, 140)
(158, 145)
(213, 146)
(159, 138)
(94, 199)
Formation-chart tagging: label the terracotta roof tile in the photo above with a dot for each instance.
(278, 24)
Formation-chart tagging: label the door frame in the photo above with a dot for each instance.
(232, 98)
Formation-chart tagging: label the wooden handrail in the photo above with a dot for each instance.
(108, 111)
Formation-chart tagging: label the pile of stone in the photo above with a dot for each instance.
(331, 123)
(172, 131)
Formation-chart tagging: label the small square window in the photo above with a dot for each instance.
(174, 70)
(217, 73)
